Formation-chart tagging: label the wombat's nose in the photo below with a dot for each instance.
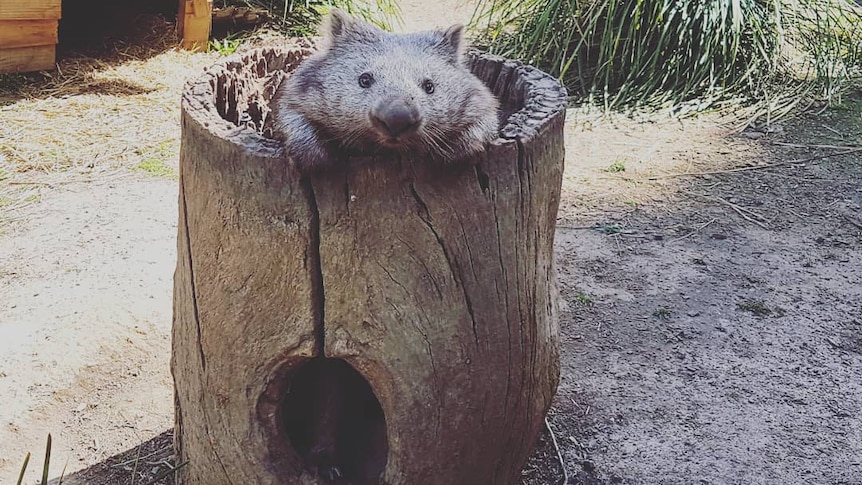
(395, 118)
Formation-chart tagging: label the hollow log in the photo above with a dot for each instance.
(390, 320)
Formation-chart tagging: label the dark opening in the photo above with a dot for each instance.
(335, 422)
(484, 180)
(94, 27)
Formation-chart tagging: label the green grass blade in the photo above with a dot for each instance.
(47, 463)
(23, 468)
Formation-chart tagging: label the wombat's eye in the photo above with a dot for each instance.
(428, 86)
(366, 80)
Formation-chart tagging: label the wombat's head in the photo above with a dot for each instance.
(368, 89)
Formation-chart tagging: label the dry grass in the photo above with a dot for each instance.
(650, 146)
(95, 118)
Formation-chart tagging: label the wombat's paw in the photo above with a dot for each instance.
(471, 149)
(309, 157)
(331, 473)
(465, 153)
(322, 462)
(303, 145)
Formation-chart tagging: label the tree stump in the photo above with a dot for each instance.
(388, 321)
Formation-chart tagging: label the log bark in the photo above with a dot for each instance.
(389, 321)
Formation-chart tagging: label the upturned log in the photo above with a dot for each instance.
(390, 320)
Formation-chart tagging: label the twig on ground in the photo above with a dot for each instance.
(619, 244)
(802, 216)
(128, 462)
(853, 221)
(747, 214)
(739, 210)
(135, 469)
(166, 473)
(575, 228)
(559, 454)
(824, 147)
(758, 167)
(833, 130)
(695, 231)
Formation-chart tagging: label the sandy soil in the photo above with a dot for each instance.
(711, 324)
(701, 347)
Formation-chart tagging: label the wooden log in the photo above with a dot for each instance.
(390, 321)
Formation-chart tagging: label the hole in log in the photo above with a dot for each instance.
(334, 422)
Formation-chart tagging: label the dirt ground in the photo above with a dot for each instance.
(711, 324)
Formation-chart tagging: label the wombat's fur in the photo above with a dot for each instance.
(368, 91)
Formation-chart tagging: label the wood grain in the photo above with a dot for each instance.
(26, 59)
(29, 9)
(27, 33)
(195, 23)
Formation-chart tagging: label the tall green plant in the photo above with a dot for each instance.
(302, 17)
(827, 38)
(688, 53)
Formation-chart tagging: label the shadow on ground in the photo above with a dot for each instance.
(150, 463)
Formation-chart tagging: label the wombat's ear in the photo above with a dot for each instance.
(452, 44)
(340, 26)
(337, 22)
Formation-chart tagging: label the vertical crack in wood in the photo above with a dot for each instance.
(179, 451)
(506, 300)
(520, 219)
(424, 216)
(318, 297)
(483, 179)
(188, 243)
(198, 337)
(425, 338)
(214, 449)
(438, 388)
(421, 261)
(524, 383)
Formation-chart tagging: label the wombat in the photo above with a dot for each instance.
(370, 92)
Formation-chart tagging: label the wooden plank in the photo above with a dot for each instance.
(27, 33)
(181, 18)
(29, 9)
(25, 59)
(195, 23)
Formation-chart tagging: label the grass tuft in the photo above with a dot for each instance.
(755, 307)
(299, 19)
(771, 55)
(617, 166)
(662, 312)
(156, 168)
(584, 299)
(226, 46)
